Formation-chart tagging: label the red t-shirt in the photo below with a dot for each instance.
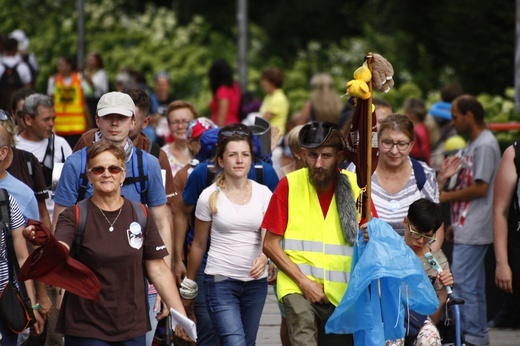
(233, 95)
(276, 216)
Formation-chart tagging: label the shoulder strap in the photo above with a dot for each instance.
(4, 210)
(418, 171)
(140, 171)
(141, 212)
(210, 174)
(27, 158)
(259, 172)
(81, 220)
(83, 179)
(154, 149)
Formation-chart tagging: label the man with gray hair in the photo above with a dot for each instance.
(38, 136)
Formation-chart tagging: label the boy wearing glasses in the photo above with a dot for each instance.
(421, 224)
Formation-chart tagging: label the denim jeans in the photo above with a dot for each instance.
(470, 284)
(153, 320)
(8, 337)
(77, 341)
(235, 308)
(206, 335)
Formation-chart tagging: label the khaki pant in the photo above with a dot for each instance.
(306, 322)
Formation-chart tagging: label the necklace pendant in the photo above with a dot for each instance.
(111, 229)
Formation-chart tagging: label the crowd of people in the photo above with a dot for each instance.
(188, 213)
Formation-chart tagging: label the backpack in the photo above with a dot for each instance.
(418, 171)
(10, 81)
(139, 166)
(47, 163)
(81, 220)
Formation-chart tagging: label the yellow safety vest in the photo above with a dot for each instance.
(70, 107)
(314, 243)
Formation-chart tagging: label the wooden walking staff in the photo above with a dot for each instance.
(361, 146)
(370, 143)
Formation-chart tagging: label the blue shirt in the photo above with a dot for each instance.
(68, 185)
(198, 180)
(23, 195)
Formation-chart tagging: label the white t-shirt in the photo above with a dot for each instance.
(62, 149)
(236, 238)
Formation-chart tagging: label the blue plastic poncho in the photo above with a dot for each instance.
(386, 275)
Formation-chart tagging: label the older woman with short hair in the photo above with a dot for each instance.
(114, 246)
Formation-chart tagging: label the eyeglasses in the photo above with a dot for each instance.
(98, 170)
(389, 144)
(418, 236)
(4, 115)
(180, 122)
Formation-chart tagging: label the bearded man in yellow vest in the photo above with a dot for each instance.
(311, 215)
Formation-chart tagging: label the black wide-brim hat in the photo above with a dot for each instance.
(316, 134)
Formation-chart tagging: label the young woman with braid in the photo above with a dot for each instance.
(231, 211)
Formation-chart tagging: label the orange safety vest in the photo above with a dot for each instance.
(69, 104)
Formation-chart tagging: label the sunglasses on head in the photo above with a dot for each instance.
(98, 170)
(4, 115)
(234, 133)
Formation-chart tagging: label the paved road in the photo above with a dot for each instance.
(268, 334)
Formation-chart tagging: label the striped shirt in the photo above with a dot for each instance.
(393, 207)
(16, 221)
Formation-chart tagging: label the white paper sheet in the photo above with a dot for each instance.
(186, 323)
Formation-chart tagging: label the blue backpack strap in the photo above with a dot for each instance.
(140, 172)
(418, 171)
(81, 220)
(83, 179)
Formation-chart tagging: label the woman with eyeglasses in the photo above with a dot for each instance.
(421, 223)
(122, 254)
(179, 115)
(398, 181)
(231, 212)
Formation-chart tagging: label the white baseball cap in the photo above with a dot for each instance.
(115, 103)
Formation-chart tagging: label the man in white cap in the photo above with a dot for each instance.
(115, 116)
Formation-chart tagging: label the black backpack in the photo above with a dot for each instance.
(10, 82)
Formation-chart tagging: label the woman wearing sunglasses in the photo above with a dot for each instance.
(114, 247)
(421, 223)
(231, 211)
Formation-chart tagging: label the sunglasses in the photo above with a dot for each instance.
(98, 170)
(418, 236)
(4, 115)
(234, 133)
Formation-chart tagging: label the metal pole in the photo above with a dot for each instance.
(242, 43)
(81, 34)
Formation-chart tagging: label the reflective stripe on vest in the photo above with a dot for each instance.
(314, 246)
(70, 107)
(315, 243)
